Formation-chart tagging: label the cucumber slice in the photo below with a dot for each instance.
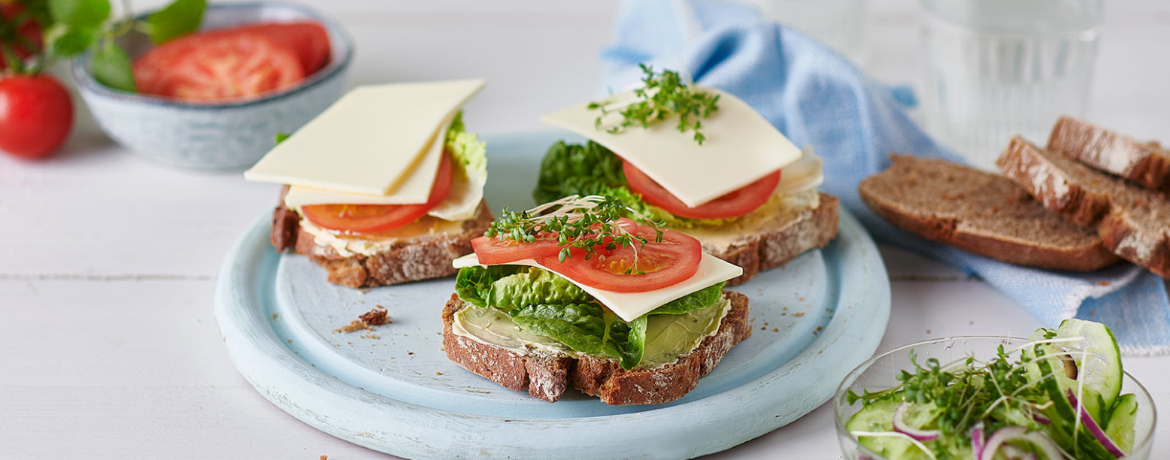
(879, 417)
(1101, 368)
(1121, 420)
(1097, 358)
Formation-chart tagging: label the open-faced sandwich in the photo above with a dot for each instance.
(573, 293)
(737, 184)
(384, 187)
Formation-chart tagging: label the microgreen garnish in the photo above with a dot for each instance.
(585, 223)
(662, 95)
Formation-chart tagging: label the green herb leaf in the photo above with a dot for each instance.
(111, 67)
(280, 137)
(80, 14)
(64, 41)
(180, 18)
(663, 95)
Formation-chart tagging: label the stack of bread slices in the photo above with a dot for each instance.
(1088, 200)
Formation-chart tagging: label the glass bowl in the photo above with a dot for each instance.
(880, 373)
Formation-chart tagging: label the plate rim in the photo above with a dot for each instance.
(381, 423)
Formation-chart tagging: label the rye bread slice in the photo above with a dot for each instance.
(1145, 164)
(979, 212)
(408, 259)
(1132, 222)
(763, 250)
(547, 376)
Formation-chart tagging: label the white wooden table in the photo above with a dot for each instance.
(108, 347)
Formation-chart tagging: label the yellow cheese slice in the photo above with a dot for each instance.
(416, 178)
(631, 305)
(803, 174)
(741, 147)
(370, 142)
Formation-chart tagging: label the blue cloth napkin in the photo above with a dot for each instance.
(816, 97)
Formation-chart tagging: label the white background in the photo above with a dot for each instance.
(108, 347)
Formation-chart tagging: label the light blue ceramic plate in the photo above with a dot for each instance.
(393, 390)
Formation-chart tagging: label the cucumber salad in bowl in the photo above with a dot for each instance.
(1060, 394)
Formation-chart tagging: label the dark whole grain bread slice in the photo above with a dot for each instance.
(1132, 222)
(979, 212)
(763, 250)
(547, 376)
(1145, 164)
(409, 259)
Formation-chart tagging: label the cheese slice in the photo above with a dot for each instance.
(803, 174)
(417, 178)
(740, 147)
(632, 305)
(372, 141)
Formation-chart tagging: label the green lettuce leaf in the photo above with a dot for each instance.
(470, 173)
(628, 339)
(474, 284)
(581, 326)
(534, 286)
(696, 300)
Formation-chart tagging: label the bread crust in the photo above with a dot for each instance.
(410, 259)
(813, 228)
(948, 226)
(547, 376)
(1093, 199)
(1145, 164)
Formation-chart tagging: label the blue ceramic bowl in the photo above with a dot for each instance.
(230, 135)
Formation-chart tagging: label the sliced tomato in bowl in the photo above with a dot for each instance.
(734, 204)
(308, 39)
(222, 65)
(365, 219)
(635, 268)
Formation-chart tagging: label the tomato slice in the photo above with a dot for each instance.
(218, 65)
(364, 219)
(308, 39)
(491, 251)
(675, 259)
(734, 204)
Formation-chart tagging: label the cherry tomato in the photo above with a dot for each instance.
(218, 65)
(308, 39)
(635, 268)
(36, 114)
(734, 204)
(30, 30)
(364, 219)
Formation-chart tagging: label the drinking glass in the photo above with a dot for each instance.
(996, 68)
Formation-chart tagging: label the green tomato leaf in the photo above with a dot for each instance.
(180, 18)
(111, 67)
(80, 14)
(64, 41)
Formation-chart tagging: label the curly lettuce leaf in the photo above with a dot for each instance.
(534, 286)
(469, 156)
(702, 298)
(474, 284)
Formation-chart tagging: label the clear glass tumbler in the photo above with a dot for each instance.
(882, 371)
(996, 68)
